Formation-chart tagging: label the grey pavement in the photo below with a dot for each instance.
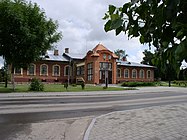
(153, 123)
(138, 90)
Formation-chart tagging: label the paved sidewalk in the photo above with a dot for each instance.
(153, 123)
(138, 91)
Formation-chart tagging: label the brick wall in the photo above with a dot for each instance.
(138, 78)
(24, 77)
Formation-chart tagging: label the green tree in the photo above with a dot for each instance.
(161, 23)
(147, 59)
(25, 32)
(121, 54)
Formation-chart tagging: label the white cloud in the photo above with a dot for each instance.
(83, 28)
(1, 62)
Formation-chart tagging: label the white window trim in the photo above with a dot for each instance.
(53, 74)
(143, 74)
(34, 69)
(124, 73)
(18, 73)
(150, 74)
(117, 73)
(132, 74)
(65, 70)
(41, 70)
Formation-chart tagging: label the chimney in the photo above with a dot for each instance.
(124, 58)
(55, 52)
(66, 50)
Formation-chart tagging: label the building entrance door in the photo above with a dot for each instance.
(102, 76)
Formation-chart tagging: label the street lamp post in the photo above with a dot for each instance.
(69, 69)
(169, 73)
(106, 78)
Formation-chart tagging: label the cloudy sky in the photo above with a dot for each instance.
(83, 28)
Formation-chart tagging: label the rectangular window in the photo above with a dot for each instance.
(90, 72)
(80, 70)
(56, 70)
(31, 70)
(134, 74)
(148, 74)
(141, 74)
(118, 73)
(126, 73)
(44, 70)
(67, 70)
(18, 71)
(105, 66)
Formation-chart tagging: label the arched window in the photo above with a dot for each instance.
(56, 70)
(31, 70)
(44, 69)
(67, 70)
(118, 73)
(126, 73)
(104, 56)
(141, 74)
(134, 73)
(148, 74)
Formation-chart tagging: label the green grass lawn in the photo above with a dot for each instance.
(60, 88)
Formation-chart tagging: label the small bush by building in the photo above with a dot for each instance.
(36, 85)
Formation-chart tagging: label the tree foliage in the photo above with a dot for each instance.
(148, 57)
(25, 32)
(164, 69)
(121, 54)
(161, 23)
(36, 85)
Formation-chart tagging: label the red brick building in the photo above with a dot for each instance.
(98, 66)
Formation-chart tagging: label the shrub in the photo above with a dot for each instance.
(36, 85)
(66, 86)
(83, 85)
(104, 87)
(73, 85)
(137, 84)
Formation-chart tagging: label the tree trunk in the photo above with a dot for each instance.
(6, 81)
(6, 76)
(6, 73)
(13, 80)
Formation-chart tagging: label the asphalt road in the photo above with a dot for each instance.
(18, 113)
(33, 109)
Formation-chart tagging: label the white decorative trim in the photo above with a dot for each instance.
(128, 73)
(54, 71)
(132, 74)
(34, 70)
(41, 69)
(140, 76)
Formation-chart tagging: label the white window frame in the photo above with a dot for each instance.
(134, 70)
(140, 74)
(18, 73)
(34, 69)
(118, 74)
(53, 72)
(65, 70)
(41, 70)
(125, 73)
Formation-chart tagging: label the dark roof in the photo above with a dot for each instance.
(132, 64)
